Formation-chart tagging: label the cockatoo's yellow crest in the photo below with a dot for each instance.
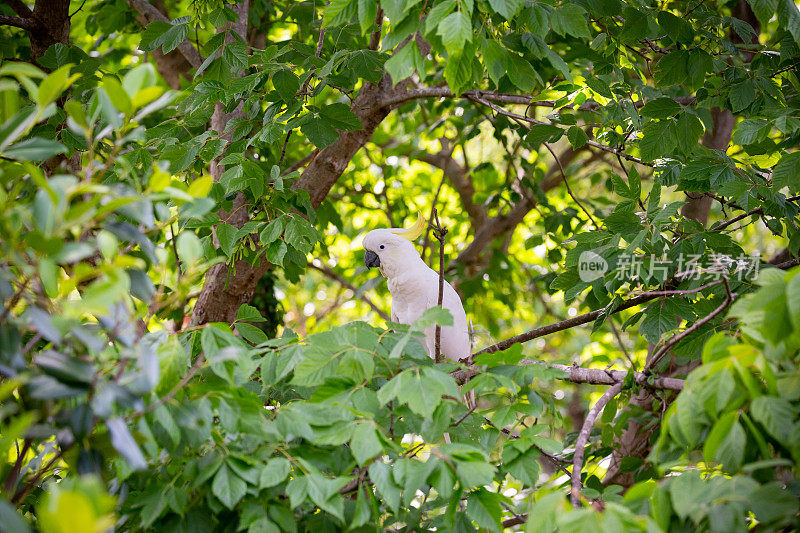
(414, 231)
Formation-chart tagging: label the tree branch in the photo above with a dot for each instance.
(20, 8)
(444, 92)
(729, 297)
(583, 439)
(591, 376)
(756, 211)
(439, 232)
(564, 324)
(530, 120)
(457, 176)
(592, 315)
(28, 24)
(151, 13)
(569, 189)
(336, 277)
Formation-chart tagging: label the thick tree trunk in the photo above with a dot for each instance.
(52, 20)
(225, 290)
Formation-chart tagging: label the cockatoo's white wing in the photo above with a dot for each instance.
(455, 338)
(415, 287)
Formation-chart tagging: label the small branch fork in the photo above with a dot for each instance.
(336, 277)
(439, 232)
(665, 349)
(583, 439)
(632, 302)
(569, 189)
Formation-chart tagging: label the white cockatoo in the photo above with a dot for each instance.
(415, 287)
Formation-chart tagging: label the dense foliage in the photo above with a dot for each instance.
(189, 339)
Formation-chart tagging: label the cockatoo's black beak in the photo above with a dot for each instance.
(371, 259)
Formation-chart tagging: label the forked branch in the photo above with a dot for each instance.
(583, 439)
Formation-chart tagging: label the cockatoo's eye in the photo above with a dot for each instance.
(382, 247)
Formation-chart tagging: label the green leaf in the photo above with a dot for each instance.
(334, 9)
(174, 36)
(70, 370)
(763, 9)
(367, 64)
(439, 11)
(507, 8)
(272, 231)
(340, 117)
(235, 55)
(274, 472)
(363, 512)
(658, 320)
(660, 108)
(787, 172)
(123, 442)
(577, 137)
(671, 68)
(455, 30)
(679, 29)
(742, 95)
(570, 19)
(485, 508)
(772, 502)
(119, 98)
(367, 11)
(320, 133)
(153, 35)
(12, 519)
(365, 443)
(496, 59)
(381, 475)
(688, 130)
(226, 235)
(725, 442)
(793, 300)
(189, 247)
(521, 73)
(34, 149)
(658, 139)
(789, 18)
(599, 86)
(228, 487)
(458, 72)
(286, 84)
(53, 85)
(251, 333)
(750, 131)
(540, 133)
(248, 313)
(774, 414)
(687, 491)
(404, 63)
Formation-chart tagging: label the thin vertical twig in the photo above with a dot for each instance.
(11, 479)
(569, 189)
(375, 38)
(426, 240)
(439, 232)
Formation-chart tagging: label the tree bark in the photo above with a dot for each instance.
(52, 19)
(224, 291)
(171, 66)
(150, 13)
(500, 225)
